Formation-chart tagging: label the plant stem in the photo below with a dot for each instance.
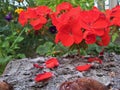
(17, 38)
(78, 48)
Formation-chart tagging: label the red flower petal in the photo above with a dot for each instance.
(22, 18)
(38, 23)
(64, 6)
(51, 63)
(43, 10)
(65, 38)
(90, 38)
(83, 67)
(95, 59)
(43, 76)
(37, 66)
(105, 40)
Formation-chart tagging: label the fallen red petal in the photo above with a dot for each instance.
(37, 66)
(95, 59)
(83, 67)
(51, 63)
(43, 76)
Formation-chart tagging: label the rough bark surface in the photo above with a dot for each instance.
(21, 73)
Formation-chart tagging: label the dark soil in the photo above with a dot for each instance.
(21, 73)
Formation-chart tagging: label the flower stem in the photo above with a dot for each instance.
(17, 38)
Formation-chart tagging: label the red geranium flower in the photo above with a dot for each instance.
(114, 15)
(43, 11)
(94, 21)
(90, 38)
(105, 39)
(38, 23)
(43, 76)
(68, 26)
(31, 13)
(37, 16)
(64, 6)
(83, 67)
(22, 18)
(51, 63)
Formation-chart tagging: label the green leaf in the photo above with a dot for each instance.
(114, 36)
(45, 48)
(5, 44)
(21, 56)
(19, 39)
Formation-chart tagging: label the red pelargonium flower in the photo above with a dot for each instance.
(83, 67)
(114, 15)
(37, 16)
(38, 23)
(116, 11)
(43, 76)
(22, 18)
(90, 38)
(43, 11)
(51, 63)
(94, 21)
(69, 35)
(63, 6)
(105, 39)
(31, 13)
(68, 26)
(95, 59)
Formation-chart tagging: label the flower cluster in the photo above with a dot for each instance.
(74, 25)
(37, 17)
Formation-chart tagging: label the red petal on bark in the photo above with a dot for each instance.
(51, 63)
(43, 76)
(83, 67)
(95, 59)
(37, 66)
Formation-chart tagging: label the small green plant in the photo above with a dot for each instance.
(113, 47)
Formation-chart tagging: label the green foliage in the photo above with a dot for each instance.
(85, 4)
(51, 49)
(113, 47)
(114, 36)
(93, 49)
(10, 38)
(8, 48)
